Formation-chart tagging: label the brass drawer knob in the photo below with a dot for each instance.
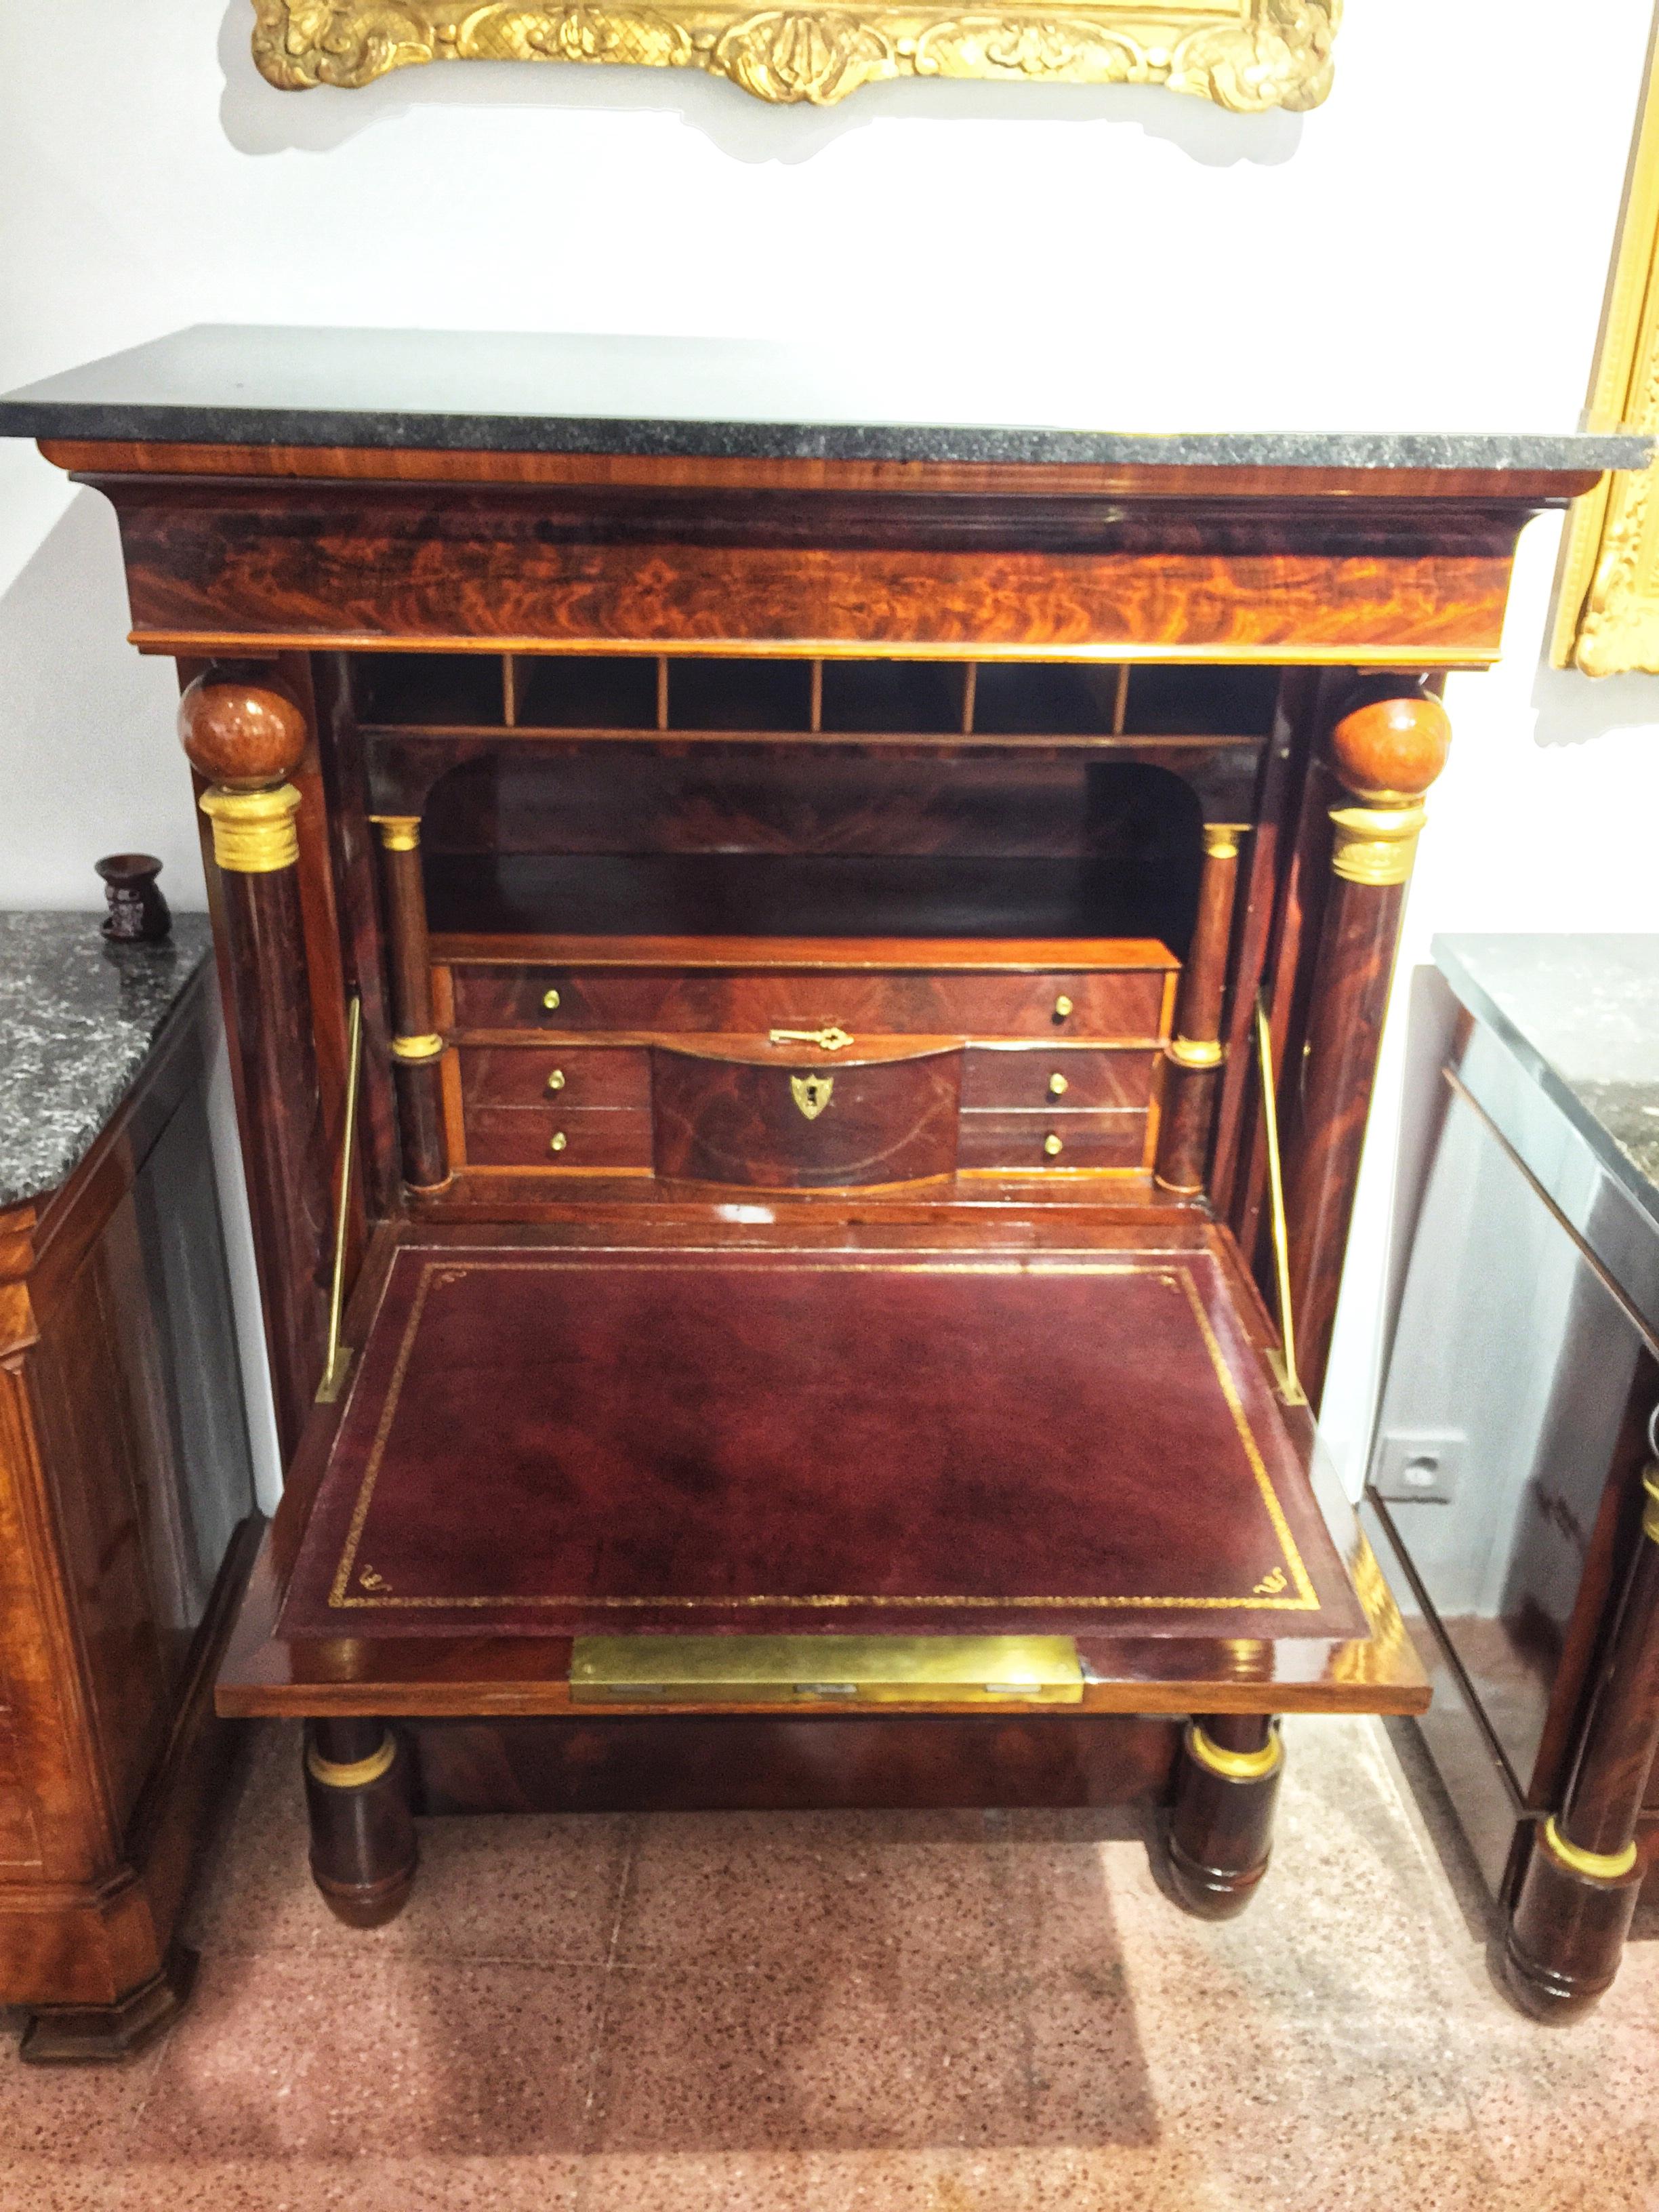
(550, 1000)
(557, 1142)
(1052, 1146)
(1063, 1006)
(555, 1081)
(1058, 1087)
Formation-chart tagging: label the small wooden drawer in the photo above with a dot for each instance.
(528, 1136)
(1108, 1003)
(564, 1078)
(773, 1126)
(1042, 1081)
(1023, 1141)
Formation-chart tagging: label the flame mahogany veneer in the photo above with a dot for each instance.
(127, 1531)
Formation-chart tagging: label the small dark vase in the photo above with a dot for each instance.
(137, 912)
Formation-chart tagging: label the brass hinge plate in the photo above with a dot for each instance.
(838, 1670)
(334, 1376)
(1290, 1389)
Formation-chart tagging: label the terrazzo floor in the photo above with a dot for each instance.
(945, 2011)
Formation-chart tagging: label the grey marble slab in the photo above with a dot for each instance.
(533, 392)
(1580, 1014)
(78, 1016)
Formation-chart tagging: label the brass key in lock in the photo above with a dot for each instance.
(833, 1039)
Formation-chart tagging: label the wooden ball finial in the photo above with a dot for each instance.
(240, 728)
(1389, 750)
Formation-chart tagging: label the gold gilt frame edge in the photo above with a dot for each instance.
(1250, 56)
(1607, 607)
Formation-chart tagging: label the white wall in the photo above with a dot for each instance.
(1426, 251)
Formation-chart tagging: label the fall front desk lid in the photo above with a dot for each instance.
(572, 1444)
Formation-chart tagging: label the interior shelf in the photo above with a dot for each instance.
(804, 895)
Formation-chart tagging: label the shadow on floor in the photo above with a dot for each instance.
(851, 2012)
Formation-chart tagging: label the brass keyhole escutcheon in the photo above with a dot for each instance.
(555, 1081)
(1052, 1146)
(1058, 1087)
(1063, 1007)
(557, 1142)
(812, 1093)
(550, 1000)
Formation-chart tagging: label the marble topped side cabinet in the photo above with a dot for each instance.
(805, 948)
(1514, 1493)
(126, 1500)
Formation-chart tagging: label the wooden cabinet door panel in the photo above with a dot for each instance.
(19, 1839)
(94, 1442)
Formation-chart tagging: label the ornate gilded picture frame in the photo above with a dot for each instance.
(1606, 615)
(1247, 55)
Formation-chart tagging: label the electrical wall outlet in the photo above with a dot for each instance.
(1418, 1466)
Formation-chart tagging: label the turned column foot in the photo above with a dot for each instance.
(82, 2035)
(1577, 1890)
(1566, 1931)
(363, 1852)
(1218, 1833)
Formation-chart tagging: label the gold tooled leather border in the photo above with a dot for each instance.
(1295, 1592)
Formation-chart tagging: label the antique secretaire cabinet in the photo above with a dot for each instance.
(752, 941)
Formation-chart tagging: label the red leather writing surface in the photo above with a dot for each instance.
(748, 1441)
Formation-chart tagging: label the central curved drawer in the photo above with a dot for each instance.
(794, 1126)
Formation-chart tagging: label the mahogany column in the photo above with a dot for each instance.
(363, 1850)
(1386, 751)
(416, 1049)
(1577, 1893)
(1196, 1052)
(1220, 1830)
(245, 734)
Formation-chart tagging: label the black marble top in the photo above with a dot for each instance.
(78, 1016)
(1582, 1013)
(529, 392)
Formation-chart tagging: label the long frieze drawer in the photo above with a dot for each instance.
(538, 1136)
(541, 1075)
(805, 1128)
(1106, 1004)
(1039, 1081)
(1111, 1140)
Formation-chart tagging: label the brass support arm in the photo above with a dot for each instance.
(338, 1357)
(1291, 1386)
